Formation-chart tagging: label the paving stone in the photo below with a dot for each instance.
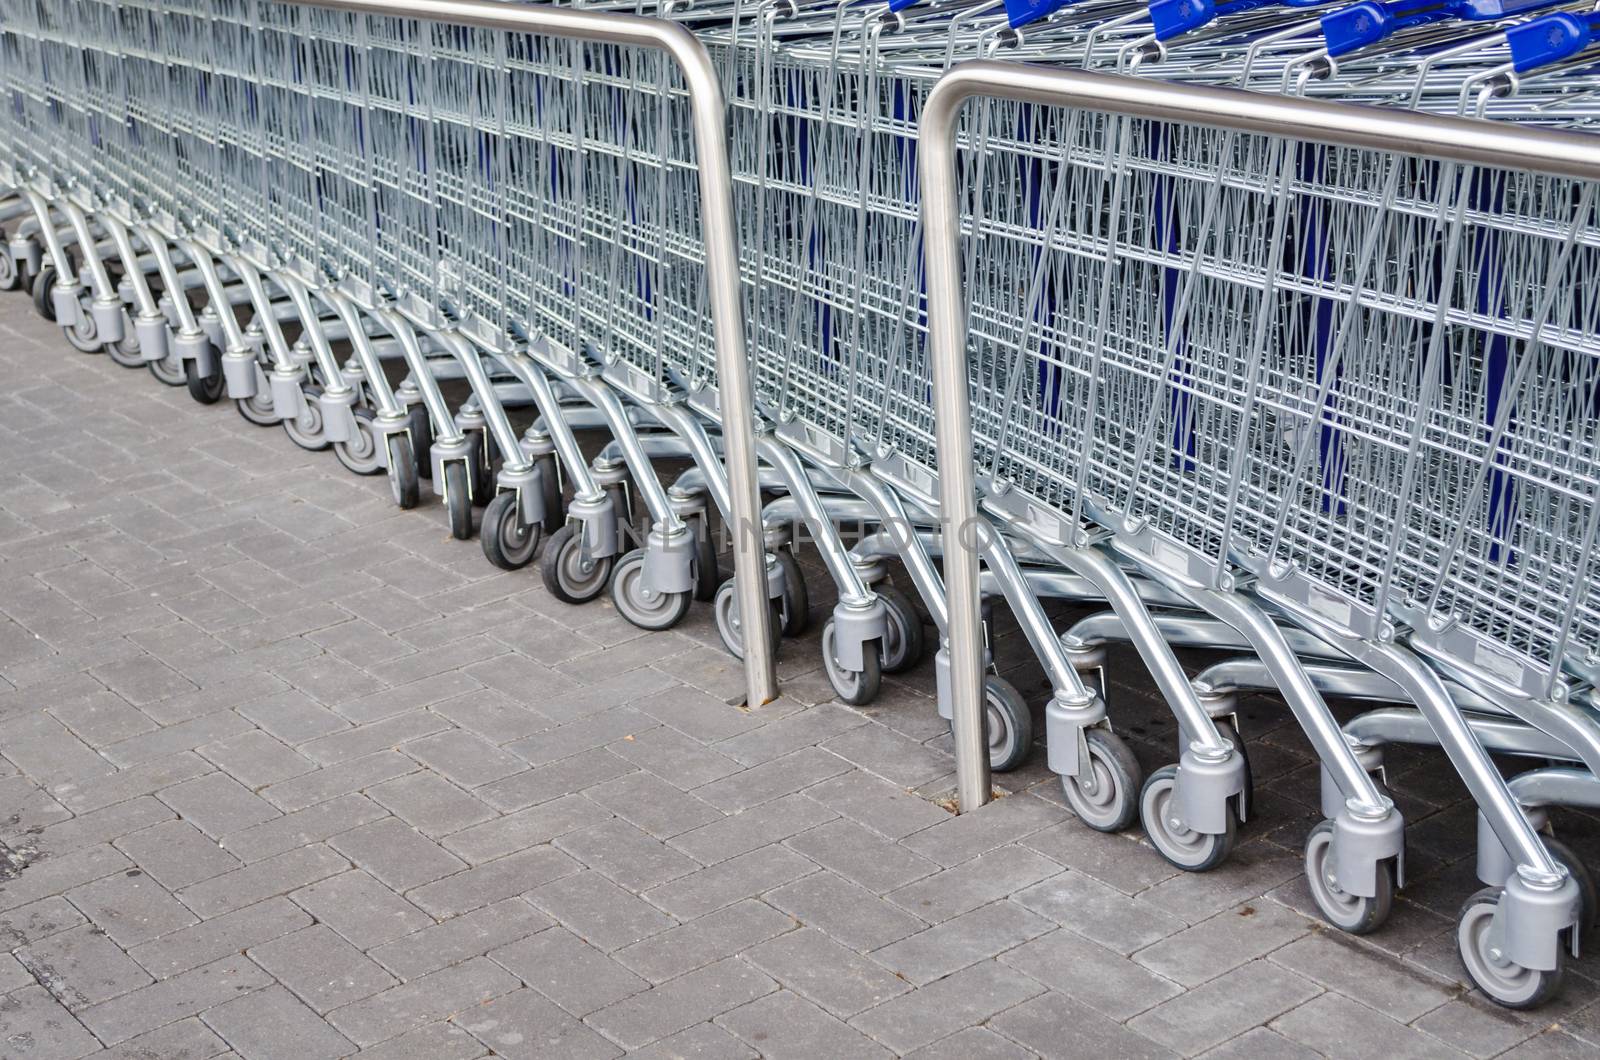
(176, 854)
(569, 971)
(210, 940)
(1475, 1026)
(973, 883)
(598, 911)
(1260, 1044)
(1336, 1025)
(263, 879)
(436, 1041)
(396, 853)
(533, 786)
(421, 1001)
(130, 907)
(430, 804)
(1229, 1005)
(32, 1020)
(514, 874)
(183, 995)
(819, 969)
(803, 729)
(494, 717)
(967, 998)
(1118, 859)
(680, 760)
(321, 968)
(101, 718)
(255, 759)
(142, 680)
(997, 823)
(724, 933)
(185, 1040)
(963, 940)
(100, 826)
(47, 751)
(1225, 941)
(170, 739)
(217, 804)
(727, 882)
(681, 1003)
(703, 1041)
(313, 824)
(271, 1023)
(293, 717)
(773, 779)
(845, 911)
(1399, 992)
(1099, 912)
(13, 975)
(890, 755)
(329, 783)
(625, 855)
(374, 737)
(361, 909)
(144, 779)
(785, 1025)
(881, 806)
(524, 1024)
(862, 855)
(459, 938)
(652, 804)
(583, 735)
(81, 967)
(974, 1043)
(1053, 1025)
(703, 717)
(464, 758)
(525, 828)
(1106, 981)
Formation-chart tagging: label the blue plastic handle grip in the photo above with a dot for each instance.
(1550, 39)
(1021, 12)
(1173, 17)
(1368, 22)
(900, 5)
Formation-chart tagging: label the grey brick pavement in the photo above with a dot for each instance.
(290, 774)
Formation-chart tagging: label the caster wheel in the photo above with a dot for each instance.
(555, 503)
(420, 428)
(43, 280)
(84, 336)
(796, 608)
(1188, 850)
(305, 430)
(257, 409)
(508, 542)
(903, 644)
(647, 610)
(10, 275)
(1111, 804)
(206, 389)
(457, 500)
(1505, 982)
(725, 610)
(169, 371)
(855, 687)
(1581, 876)
(125, 351)
(706, 575)
(567, 574)
(1007, 723)
(1347, 912)
(361, 453)
(402, 471)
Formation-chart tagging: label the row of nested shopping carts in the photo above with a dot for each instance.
(1323, 406)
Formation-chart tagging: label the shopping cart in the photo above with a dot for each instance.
(1290, 478)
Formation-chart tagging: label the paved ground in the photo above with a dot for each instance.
(290, 773)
